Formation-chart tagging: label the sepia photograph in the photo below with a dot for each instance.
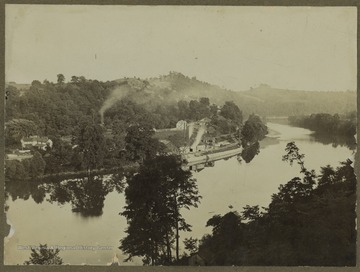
(140, 135)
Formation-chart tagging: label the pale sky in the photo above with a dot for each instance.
(304, 48)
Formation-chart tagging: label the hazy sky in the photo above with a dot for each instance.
(234, 47)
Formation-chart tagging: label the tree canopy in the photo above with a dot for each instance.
(44, 256)
(154, 198)
(90, 141)
(310, 221)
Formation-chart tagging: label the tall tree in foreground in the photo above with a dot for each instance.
(311, 221)
(223, 247)
(154, 198)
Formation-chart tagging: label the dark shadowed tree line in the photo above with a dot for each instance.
(324, 123)
(310, 221)
(68, 114)
(154, 199)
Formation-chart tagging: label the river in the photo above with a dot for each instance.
(229, 185)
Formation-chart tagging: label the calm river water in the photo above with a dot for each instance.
(229, 185)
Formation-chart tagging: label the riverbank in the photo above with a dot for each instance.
(78, 174)
(228, 186)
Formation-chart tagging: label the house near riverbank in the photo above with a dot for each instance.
(19, 155)
(36, 141)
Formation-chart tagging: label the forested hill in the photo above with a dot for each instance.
(174, 87)
(263, 100)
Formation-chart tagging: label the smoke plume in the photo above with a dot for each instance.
(131, 87)
(191, 129)
(116, 95)
(199, 135)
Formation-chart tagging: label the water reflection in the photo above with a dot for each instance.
(294, 133)
(225, 184)
(249, 152)
(85, 194)
(24, 189)
(335, 140)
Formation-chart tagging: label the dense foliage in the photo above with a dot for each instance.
(95, 125)
(57, 108)
(324, 123)
(310, 221)
(86, 194)
(154, 198)
(254, 130)
(89, 145)
(44, 256)
(27, 168)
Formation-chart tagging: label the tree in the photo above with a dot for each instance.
(191, 245)
(292, 155)
(223, 125)
(12, 109)
(37, 165)
(222, 247)
(59, 158)
(251, 213)
(326, 124)
(91, 144)
(249, 152)
(35, 84)
(119, 133)
(15, 170)
(60, 79)
(86, 194)
(194, 110)
(307, 221)
(199, 109)
(204, 101)
(154, 198)
(304, 224)
(231, 111)
(254, 130)
(44, 256)
(183, 107)
(74, 79)
(213, 109)
(139, 143)
(17, 129)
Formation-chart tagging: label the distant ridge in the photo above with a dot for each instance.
(264, 99)
(19, 86)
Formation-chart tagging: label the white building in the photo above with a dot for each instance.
(40, 142)
(181, 125)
